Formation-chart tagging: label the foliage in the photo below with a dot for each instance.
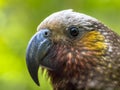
(18, 22)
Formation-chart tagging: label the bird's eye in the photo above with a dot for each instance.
(74, 31)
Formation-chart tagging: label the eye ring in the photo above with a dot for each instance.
(73, 31)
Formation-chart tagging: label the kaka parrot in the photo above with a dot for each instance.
(77, 51)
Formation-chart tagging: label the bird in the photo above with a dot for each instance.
(77, 51)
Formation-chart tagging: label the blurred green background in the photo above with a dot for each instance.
(18, 22)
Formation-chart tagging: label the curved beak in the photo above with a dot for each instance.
(37, 49)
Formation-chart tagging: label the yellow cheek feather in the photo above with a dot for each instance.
(94, 40)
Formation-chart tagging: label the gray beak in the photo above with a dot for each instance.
(37, 49)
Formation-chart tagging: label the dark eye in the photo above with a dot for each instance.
(74, 31)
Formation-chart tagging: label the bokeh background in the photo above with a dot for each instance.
(18, 22)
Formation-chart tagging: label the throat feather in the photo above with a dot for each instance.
(77, 61)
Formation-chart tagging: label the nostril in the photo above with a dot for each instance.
(47, 33)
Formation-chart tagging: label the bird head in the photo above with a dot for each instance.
(65, 41)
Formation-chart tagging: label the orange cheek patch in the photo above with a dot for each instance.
(94, 41)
